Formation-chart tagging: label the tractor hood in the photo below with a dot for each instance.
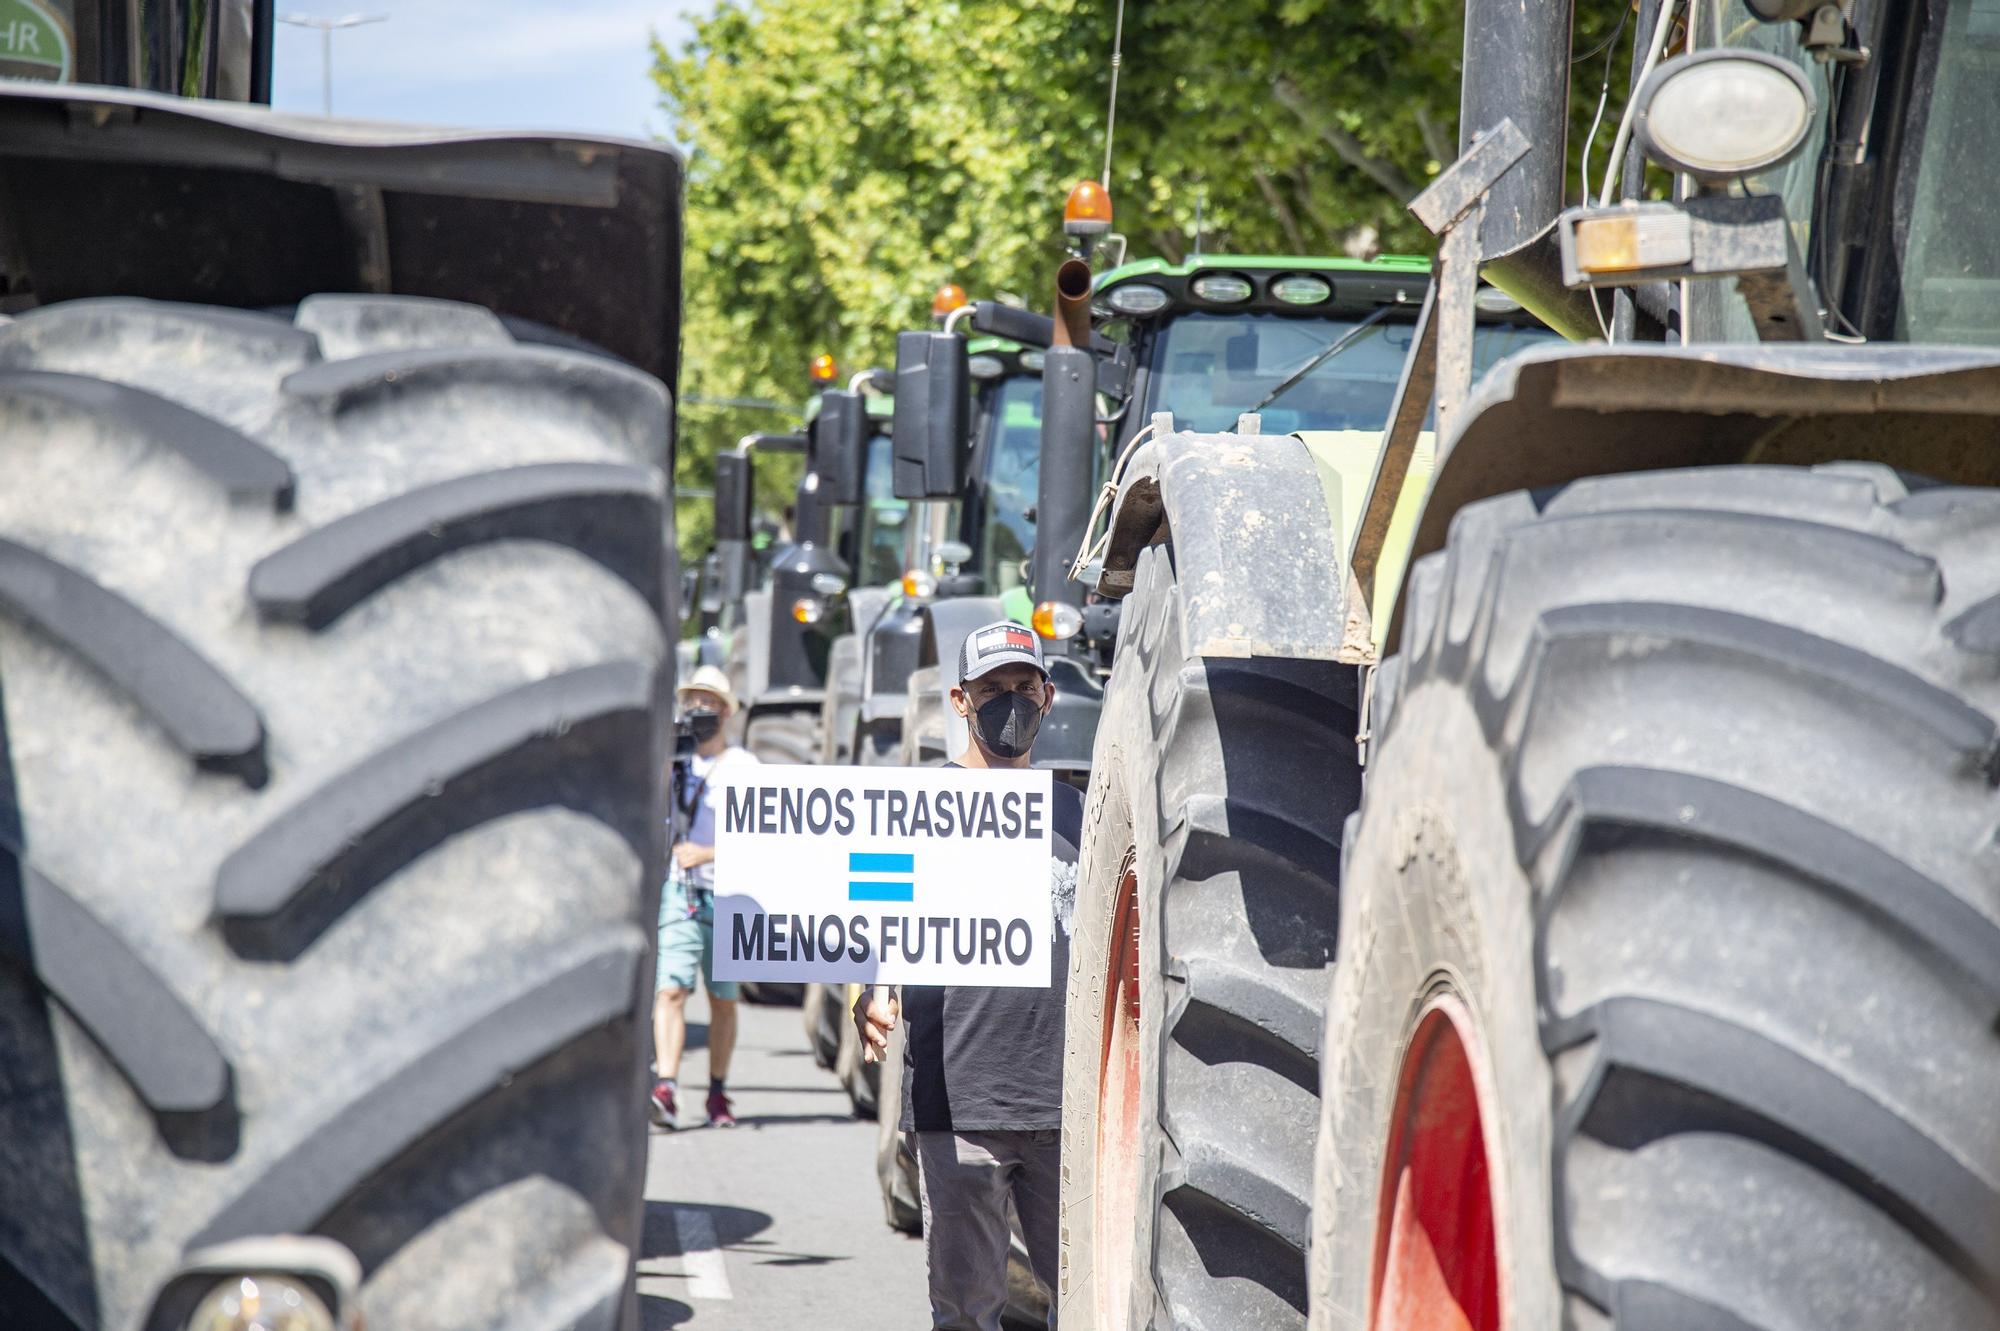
(106, 192)
(1553, 414)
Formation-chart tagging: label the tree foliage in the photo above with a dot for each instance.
(848, 156)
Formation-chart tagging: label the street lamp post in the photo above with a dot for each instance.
(326, 26)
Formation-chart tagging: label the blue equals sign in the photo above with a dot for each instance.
(866, 880)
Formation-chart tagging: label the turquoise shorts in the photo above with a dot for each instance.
(686, 944)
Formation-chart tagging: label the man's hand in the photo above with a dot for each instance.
(687, 855)
(876, 1009)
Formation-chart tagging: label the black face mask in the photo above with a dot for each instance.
(1006, 726)
(704, 726)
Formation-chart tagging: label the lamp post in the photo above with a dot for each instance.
(326, 28)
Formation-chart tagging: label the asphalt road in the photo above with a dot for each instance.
(776, 1224)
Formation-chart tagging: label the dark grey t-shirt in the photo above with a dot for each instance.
(979, 1059)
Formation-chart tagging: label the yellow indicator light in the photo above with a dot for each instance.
(949, 297)
(919, 585)
(822, 369)
(806, 610)
(1057, 619)
(1633, 241)
(1608, 242)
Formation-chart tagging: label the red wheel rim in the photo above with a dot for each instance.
(1436, 1259)
(1116, 1192)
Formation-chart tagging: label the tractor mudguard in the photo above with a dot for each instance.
(250, 208)
(1255, 539)
(865, 605)
(1554, 414)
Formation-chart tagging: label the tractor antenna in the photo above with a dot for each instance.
(1111, 114)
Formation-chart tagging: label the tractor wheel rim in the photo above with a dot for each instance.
(1436, 1250)
(1116, 1192)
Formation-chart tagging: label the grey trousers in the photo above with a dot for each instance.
(966, 1179)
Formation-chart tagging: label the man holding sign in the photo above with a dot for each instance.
(982, 1074)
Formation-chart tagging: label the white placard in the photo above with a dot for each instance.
(895, 875)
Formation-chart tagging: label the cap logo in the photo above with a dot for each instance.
(1007, 638)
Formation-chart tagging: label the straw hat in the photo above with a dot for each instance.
(708, 679)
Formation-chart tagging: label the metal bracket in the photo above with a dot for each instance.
(1440, 359)
(1392, 464)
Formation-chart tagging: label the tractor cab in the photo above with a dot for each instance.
(972, 547)
(1310, 347)
(869, 535)
(996, 521)
(831, 576)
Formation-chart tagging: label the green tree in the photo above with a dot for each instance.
(848, 156)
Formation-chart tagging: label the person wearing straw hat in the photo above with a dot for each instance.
(687, 903)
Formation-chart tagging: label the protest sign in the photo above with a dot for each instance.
(921, 875)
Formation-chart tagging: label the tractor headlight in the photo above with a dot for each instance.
(261, 1303)
(984, 366)
(1137, 298)
(1301, 289)
(1222, 288)
(1717, 115)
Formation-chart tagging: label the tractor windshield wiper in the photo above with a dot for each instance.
(1321, 357)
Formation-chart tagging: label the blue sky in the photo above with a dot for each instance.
(518, 64)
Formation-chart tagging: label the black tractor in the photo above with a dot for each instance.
(334, 585)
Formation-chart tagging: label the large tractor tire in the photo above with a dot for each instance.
(1669, 959)
(787, 737)
(1204, 925)
(895, 1162)
(333, 676)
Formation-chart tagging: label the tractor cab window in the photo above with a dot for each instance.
(1210, 368)
(879, 549)
(1951, 265)
(1010, 474)
(1945, 231)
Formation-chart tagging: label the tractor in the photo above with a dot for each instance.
(1592, 924)
(957, 533)
(335, 585)
(1317, 345)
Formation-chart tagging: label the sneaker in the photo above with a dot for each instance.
(662, 1102)
(719, 1115)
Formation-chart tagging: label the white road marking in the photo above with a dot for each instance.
(701, 1259)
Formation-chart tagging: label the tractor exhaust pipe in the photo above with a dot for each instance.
(1516, 66)
(1072, 305)
(1069, 429)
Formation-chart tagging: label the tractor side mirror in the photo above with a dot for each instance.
(732, 496)
(933, 415)
(840, 447)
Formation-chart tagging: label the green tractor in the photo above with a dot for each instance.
(335, 585)
(1261, 389)
(1661, 924)
(972, 569)
(954, 549)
